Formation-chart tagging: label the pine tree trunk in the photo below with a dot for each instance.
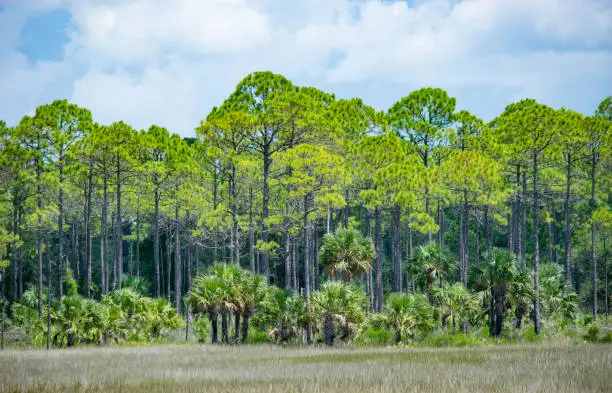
(593, 251)
(119, 234)
(568, 226)
(267, 162)
(288, 261)
(378, 299)
(138, 241)
(395, 249)
(169, 264)
(103, 237)
(39, 236)
(524, 224)
(251, 232)
(306, 265)
(60, 224)
(462, 269)
(156, 243)
(177, 259)
(536, 252)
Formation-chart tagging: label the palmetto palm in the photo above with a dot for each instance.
(253, 292)
(160, 316)
(494, 279)
(341, 304)
(456, 302)
(407, 315)
(557, 297)
(284, 312)
(346, 252)
(229, 277)
(205, 296)
(430, 265)
(74, 318)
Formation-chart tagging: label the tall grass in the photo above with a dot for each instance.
(262, 368)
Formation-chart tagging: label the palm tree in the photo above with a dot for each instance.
(284, 312)
(456, 302)
(521, 294)
(494, 279)
(558, 298)
(205, 296)
(339, 303)
(407, 315)
(253, 292)
(429, 266)
(229, 276)
(346, 252)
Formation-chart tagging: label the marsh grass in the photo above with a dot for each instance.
(205, 368)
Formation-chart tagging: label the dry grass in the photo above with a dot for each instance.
(205, 368)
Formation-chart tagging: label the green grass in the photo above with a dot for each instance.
(205, 368)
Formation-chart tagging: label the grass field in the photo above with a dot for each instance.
(206, 368)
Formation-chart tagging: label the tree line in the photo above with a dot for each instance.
(292, 183)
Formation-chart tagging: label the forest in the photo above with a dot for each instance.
(294, 216)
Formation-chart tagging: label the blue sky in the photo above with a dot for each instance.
(167, 62)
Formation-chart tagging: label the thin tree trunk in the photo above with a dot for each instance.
(593, 251)
(536, 252)
(462, 269)
(236, 327)
(245, 327)
(378, 246)
(251, 232)
(49, 280)
(549, 225)
(224, 327)
(60, 224)
(156, 243)
(288, 261)
(138, 241)
(177, 258)
(213, 328)
(568, 226)
(605, 261)
(169, 264)
(14, 252)
(306, 265)
(119, 233)
(267, 162)
(524, 223)
(39, 236)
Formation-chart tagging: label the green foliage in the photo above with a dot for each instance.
(346, 252)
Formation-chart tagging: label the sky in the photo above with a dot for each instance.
(168, 62)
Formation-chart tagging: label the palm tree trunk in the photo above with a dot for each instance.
(224, 328)
(329, 329)
(236, 327)
(245, 327)
(213, 327)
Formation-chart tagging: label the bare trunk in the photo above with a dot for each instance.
(524, 223)
(536, 251)
(267, 162)
(156, 243)
(60, 224)
(306, 265)
(39, 236)
(568, 226)
(119, 233)
(396, 249)
(593, 251)
(251, 232)
(378, 301)
(177, 259)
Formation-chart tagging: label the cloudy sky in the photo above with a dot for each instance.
(167, 62)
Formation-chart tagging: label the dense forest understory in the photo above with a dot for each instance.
(297, 217)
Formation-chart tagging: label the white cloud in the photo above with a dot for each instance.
(168, 62)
